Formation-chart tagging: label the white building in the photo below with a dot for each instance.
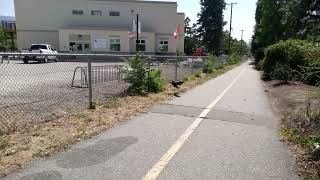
(99, 25)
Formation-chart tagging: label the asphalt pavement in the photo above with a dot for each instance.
(223, 129)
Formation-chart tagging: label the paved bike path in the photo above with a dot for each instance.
(237, 139)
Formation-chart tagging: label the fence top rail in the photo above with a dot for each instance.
(17, 54)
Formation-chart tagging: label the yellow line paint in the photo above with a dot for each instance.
(165, 159)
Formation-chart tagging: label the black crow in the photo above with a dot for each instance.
(176, 84)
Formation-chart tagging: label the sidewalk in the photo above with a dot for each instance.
(235, 139)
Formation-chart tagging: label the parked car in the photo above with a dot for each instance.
(40, 49)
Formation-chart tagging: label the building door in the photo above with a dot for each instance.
(80, 42)
(79, 46)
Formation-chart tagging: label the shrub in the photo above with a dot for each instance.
(93, 105)
(4, 143)
(300, 59)
(235, 58)
(283, 72)
(136, 74)
(142, 79)
(208, 65)
(311, 72)
(153, 82)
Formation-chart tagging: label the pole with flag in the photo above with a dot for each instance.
(177, 32)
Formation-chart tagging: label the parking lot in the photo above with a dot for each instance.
(43, 92)
(37, 92)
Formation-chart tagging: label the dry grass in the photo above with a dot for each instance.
(43, 140)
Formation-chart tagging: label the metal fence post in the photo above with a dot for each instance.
(90, 80)
(176, 70)
(149, 62)
(192, 66)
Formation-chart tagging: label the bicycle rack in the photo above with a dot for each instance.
(100, 74)
(83, 80)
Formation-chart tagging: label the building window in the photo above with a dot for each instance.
(96, 13)
(114, 13)
(77, 12)
(115, 45)
(141, 45)
(163, 45)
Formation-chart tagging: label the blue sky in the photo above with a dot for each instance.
(243, 14)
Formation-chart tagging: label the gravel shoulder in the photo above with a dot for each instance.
(290, 102)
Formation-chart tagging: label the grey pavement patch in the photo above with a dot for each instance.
(95, 154)
(227, 150)
(243, 118)
(171, 109)
(45, 175)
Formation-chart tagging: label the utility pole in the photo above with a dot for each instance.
(242, 35)
(231, 4)
(241, 40)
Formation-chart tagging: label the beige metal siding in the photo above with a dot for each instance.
(26, 38)
(48, 14)
(42, 17)
(180, 21)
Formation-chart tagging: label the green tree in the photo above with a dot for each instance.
(211, 24)
(282, 19)
(191, 37)
(269, 28)
(302, 19)
(2, 40)
(241, 47)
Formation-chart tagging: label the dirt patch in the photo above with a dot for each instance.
(43, 140)
(292, 102)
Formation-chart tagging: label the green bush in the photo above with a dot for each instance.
(208, 65)
(136, 74)
(235, 58)
(142, 79)
(300, 59)
(153, 82)
(311, 72)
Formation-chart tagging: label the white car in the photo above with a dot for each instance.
(40, 49)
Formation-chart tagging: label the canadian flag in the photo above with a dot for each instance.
(177, 33)
(130, 34)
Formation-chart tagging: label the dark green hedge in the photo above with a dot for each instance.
(293, 60)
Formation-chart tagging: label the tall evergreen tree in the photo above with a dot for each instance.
(283, 19)
(302, 19)
(211, 24)
(269, 28)
(191, 37)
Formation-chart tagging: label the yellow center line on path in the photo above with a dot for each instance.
(155, 171)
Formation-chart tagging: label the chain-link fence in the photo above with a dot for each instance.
(34, 92)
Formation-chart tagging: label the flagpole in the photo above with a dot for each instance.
(137, 44)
